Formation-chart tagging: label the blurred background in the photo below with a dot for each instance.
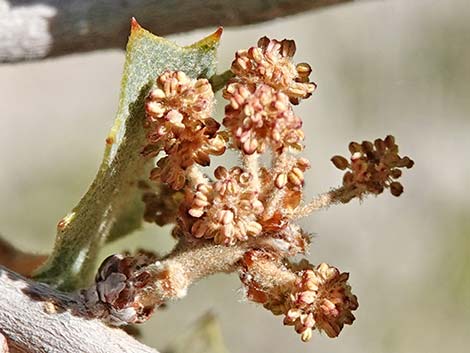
(382, 67)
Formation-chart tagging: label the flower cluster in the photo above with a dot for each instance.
(178, 120)
(320, 298)
(258, 116)
(308, 297)
(270, 63)
(373, 167)
(259, 113)
(225, 210)
(244, 217)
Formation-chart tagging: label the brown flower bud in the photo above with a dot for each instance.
(271, 63)
(354, 147)
(395, 173)
(390, 141)
(396, 188)
(320, 299)
(340, 162)
(372, 168)
(367, 146)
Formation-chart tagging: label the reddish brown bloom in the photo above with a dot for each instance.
(175, 97)
(225, 210)
(258, 116)
(373, 167)
(243, 219)
(271, 63)
(320, 299)
(178, 119)
(188, 148)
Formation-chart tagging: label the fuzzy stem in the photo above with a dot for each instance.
(208, 259)
(274, 202)
(281, 164)
(251, 163)
(325, 200)
(184, 266)
(270, 274)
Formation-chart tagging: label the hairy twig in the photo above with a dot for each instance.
(129, 288)
(322, 201)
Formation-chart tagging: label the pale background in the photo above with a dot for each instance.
(400, 67)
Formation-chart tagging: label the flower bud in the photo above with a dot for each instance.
(340, 162)
(396, 188)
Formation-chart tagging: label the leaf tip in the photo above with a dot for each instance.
(212, 40)
(217, 34)
(135, 26)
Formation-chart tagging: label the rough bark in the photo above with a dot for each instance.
(35, 318)
(38, 29)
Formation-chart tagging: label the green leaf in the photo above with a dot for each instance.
(204, 337)
(83, 231)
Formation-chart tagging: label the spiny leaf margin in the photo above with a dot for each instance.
(84, 230)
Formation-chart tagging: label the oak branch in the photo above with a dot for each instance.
(38, 29)
(35, 318)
